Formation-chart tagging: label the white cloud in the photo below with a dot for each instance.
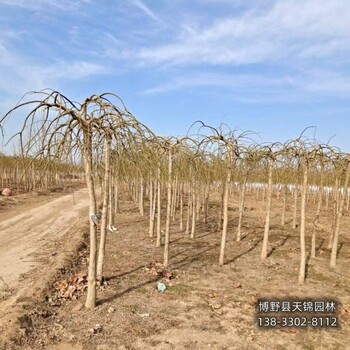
(301, 87)
(145, 9)
(242, 82)
(40, 4)
(289, 29)
(325, 82)
(20, 76)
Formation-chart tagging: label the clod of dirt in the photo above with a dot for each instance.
(247, 307)
(26, 324)
(111, 310)
(96, 329)
(78, 307)
(237, 285)
(215, 306)
(213, 295)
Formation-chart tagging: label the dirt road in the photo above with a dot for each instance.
(25, 237)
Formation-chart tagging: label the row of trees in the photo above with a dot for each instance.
(120, 154)
(22, 174)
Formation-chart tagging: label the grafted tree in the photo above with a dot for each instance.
(225, 145)
(269, 153)
(346, 170)
(65, 127)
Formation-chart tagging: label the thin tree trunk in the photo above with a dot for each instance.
(168, 211)
(283, 218)
(153, 198)
(159, 207)
(327, 199)
(302, 228)
(221, 206)
(194, 213)
(206, 203)
(198, 202)
(335, 213)
(142, 212)
(333, 261)
(241, 210)
(102, 247)
(116, 197)
(181, 207)
(111, 203)
(225, 215)
(317, 218)
(268, 213)
(173, 203)
(91, 290)
(294, 225)
(189, 209)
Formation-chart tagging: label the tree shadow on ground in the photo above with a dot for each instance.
(191, 255)
(320, 245)
(307, 265)
(281, 244)
(190, 258)
(129, 290)
(124, 273)
(340, 247)
(245, 252)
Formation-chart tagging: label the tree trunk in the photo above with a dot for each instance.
(142, 212)
(268, 213)
(194, 212)
(189, 209)
(221, 206)
(151, 224)
(327, 199)
(159, 208)
(152, 207)
(294, 225)
(206, 203)
(168, 211)
(91, 291)
(116, 197)
(335, 213)
(102, 247)
(173, 202)
(111, 203)
(283, 218)
(241, 210)
(302, 228)
(333, 261)
(225, 215)
(181, 207)
(317, 218)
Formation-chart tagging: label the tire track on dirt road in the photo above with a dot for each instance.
(28, 234)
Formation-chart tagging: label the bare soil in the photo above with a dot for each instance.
(35, 232)
(204, 306)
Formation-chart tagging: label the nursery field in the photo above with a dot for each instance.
(205, 306)
(113, 237)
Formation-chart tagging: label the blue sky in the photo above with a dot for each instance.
(274, 67)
